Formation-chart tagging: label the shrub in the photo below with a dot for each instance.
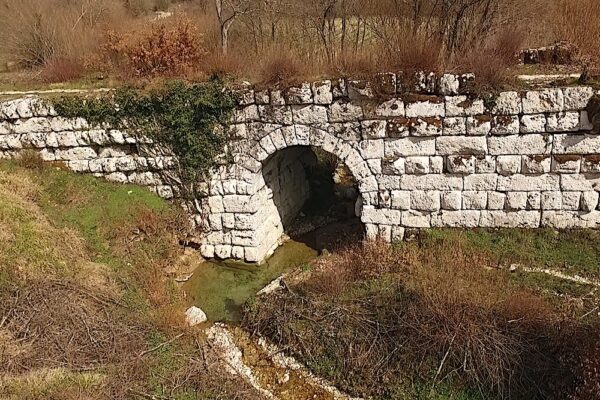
(162, 51)
(281, 69)
(61, 70)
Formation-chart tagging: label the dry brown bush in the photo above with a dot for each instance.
(58, 70)
(281, 69)
(374, 317)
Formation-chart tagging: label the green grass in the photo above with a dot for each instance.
(569, 251)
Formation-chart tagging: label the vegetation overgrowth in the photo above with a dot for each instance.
(182, 119)
(442, 317)
(280, 41)
(86, 309)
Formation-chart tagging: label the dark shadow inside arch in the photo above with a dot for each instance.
(316, 197)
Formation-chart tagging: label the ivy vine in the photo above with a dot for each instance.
(183, 118)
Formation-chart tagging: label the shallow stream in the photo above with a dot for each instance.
(220, 288)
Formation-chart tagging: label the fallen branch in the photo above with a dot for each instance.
(163, 344)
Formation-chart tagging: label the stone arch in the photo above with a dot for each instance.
(239, 229)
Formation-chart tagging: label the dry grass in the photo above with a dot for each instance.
(84, 298)
(379, 320)
(578, 21)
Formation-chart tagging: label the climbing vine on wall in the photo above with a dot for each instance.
(180, 117)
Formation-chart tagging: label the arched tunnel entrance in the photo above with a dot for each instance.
(313, 198)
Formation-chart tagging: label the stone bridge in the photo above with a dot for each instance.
(519, 159)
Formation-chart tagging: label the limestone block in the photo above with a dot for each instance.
(116, 136)
(449, 84)
(8, 109)
(195, 316)
(580, 183)
(207, 251)
(456, 219)
(424, 106)
(349, 131)
(577, 97)
(112, 152)
(417, 165)
(5, 128)
(539, 164)
(571, 201)
(117, 177)
(505, 125)
(246, 114)
(228, 220)
(309, 115)
(543, 101)
(215, 204)
(451, 200)
(77, 153)
(416, 219)
(31, 125)
(479, 182)
(461, 164)
(262, 97)
(429, 126)
(462, 106)
(371, 231)
(576, 144)
(589, 201)
(126, 164)
(374, 129)
(267, 144)
(551, 201)
(34, 139)
(223, 251)
(398, 127)
(391, 108)
(322, 92)
(455, 126)
(496, 201)
(589, 163)
(380, 216)
(485, 164)
(535, 123)
(431, 182)
(508, 165)
(79, 165)
(520, 144)
(278, 114)
(566, 219)
(299, 95)
(27, 107)
(277, 98)
(144, 179)
(480, 125)
(425, 200)
(391, 166)
(48, 155)
(371, 149)
(474, 200)
(566, 164)
(455, 145)
(278, 139)
(388, 182)
(341, 111)
(507, 103)
(563, 122)
(524, 183)
(215, 221)
(516, 219)
(411, 146)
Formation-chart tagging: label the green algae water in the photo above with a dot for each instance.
(221, 288)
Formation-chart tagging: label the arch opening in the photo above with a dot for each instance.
(310, 197)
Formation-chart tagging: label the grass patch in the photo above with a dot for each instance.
(570, 251)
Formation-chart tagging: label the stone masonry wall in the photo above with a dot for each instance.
(521, 159)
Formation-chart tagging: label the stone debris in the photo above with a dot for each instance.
(195, 316)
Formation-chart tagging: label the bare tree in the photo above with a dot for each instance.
(228, 11)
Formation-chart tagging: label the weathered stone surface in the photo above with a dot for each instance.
(418, 161)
